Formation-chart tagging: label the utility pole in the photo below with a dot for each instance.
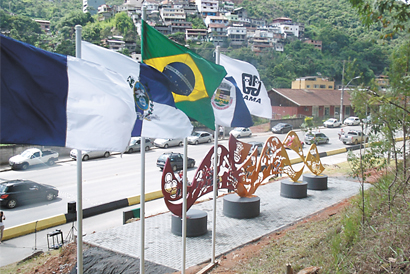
(341, 96)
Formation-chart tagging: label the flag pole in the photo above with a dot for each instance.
(142, 195)
(184, 203)
(142, 206)
(79, 176)
(215, 177)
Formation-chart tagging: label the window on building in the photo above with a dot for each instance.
(327, 111)
(316, 86)
(347, 110)
(330, 86)
(307, 86)
(322, 86)
(337, 110)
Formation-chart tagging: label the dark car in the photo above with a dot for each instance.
(15, 192)
(176, 160)
(282, 128)
(258, 145)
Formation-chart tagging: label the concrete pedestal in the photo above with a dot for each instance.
(238, 207)
(196, 223)
(316, 182)
(295, 190)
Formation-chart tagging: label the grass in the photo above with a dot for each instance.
(342, 243)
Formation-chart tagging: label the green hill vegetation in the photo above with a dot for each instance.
(335, 23)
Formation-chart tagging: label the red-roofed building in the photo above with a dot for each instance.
(309, 102)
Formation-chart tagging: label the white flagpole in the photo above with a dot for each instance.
(79, 176)
(184, 203)
(142, 195)
(215, 177)
(142, 206)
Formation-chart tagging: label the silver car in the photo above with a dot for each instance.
(241, 132)
(165, 143)
(89, 154)
(198, 137)
(135, 144)
(316, 138)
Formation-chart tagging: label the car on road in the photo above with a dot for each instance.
(257, 145)
(239, 132)
(316, 138)
(332, 122)
(352, 121)
(88, 154)
(135, 145)
(198, 137)
(33, 156)
(282, 128)
(16, 192)
(176, 160)
(166, 143)
(353, 137)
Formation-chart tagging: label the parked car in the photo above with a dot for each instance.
(353, 137)
(198, 137)
(239, 132)
(352, 121)
(135, 144)
(176, 160)
(332, 122)
(316, 138)
(16, 192)
(257, 145)
(166, 143)
(33, 156)
(282, 128)
(86, 155)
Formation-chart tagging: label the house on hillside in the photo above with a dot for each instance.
(313, 82)
(309, 102)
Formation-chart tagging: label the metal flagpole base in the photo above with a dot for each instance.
(196, 223)
(294, 190)
(238, 207)
(316, 182)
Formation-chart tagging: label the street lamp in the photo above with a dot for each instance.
(341, 97)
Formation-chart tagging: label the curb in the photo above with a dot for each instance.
(27, 228)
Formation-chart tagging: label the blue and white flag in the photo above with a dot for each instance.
(229, 107)
(157, 115)
(253, 90)
(55, 100)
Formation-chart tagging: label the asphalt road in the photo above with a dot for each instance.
(116, 177)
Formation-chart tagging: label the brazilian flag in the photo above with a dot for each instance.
(194, 79)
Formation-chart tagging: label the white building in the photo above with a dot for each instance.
(207, 7)
(91, 6)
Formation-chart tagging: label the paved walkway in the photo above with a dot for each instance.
(164, 248)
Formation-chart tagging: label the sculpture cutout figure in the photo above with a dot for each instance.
(237, 170)
(313, 162)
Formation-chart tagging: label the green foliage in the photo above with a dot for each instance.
(197, 22)
(178, 37)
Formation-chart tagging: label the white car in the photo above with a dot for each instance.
(332, 122)
(198, 137)
(165, 143)
(89, 154)
(239, 132)
(352, 121)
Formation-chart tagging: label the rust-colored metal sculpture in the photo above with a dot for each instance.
(239, 171)
(313, 162)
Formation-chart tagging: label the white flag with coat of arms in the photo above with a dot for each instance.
(252, 88)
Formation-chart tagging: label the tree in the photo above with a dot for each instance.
(390, 13)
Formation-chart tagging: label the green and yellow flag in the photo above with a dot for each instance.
(194, 78)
